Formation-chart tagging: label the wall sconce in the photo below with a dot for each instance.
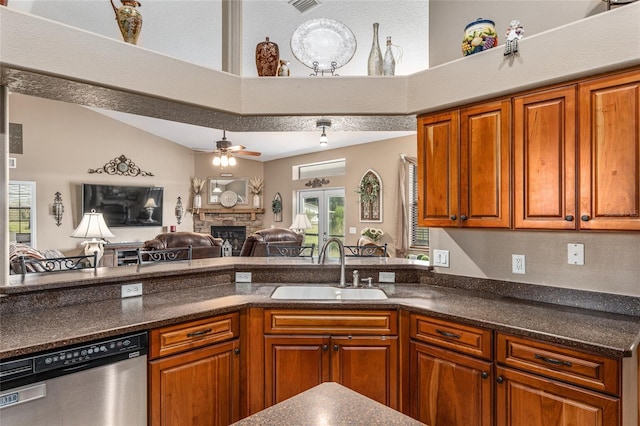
(58, 208)
(323, 137)
(179, 210)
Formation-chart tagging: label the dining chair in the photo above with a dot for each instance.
(164, 255)
(369, 250)
(275, 250)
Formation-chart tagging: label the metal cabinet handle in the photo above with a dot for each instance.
(463, 217)
(499, 379)
(335, 348)
(325, 347)
(569, 218)
(585, 218)
(453, 217)
(553, 361)
(236, 351)
(199, 333)
(448, 334)
(484, 375)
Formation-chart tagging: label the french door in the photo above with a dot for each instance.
(325, 210)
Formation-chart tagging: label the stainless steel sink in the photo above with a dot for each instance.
(311, 292)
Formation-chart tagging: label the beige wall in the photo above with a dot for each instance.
(611, 259)
(382, 156)
(62, 141)
(447, 20)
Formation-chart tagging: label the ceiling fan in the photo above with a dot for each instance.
(225, 146)
(224, 152)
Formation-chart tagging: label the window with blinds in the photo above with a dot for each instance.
(21, 208)
(419, 234)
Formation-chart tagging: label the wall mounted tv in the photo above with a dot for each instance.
(124, 205)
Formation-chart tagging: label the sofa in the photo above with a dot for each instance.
(256, 244)
(203, 245)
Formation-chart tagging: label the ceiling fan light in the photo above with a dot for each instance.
(323, 138)
(232, 160)
(216, 160)
(224, 161)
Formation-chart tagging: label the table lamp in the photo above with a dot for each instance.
(300, 223)
(93, 226)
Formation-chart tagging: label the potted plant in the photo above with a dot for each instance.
(196, 186)
(256, 186)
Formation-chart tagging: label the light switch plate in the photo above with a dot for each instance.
(441, 258)
(386, 277)
(575, 254)
(243, 277)
(352, 230)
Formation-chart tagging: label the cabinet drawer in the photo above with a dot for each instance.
(178, 338)
(281, 321)
(470, 340)
(584, 369)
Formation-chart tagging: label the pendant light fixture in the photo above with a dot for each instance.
(323, 124)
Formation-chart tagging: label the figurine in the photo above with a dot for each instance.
(283, 69)
(514, 33)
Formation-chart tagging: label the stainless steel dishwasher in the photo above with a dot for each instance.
(102, 383)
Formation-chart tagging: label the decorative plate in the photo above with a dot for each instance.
(323, 41)
(228, 198)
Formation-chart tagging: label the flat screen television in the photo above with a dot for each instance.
(124, 205)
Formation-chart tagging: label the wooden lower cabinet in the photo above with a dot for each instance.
(527, 400)
(449, 389)
(196, 388)
(365, 364)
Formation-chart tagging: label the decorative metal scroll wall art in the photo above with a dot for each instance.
(121, 166)
(370, 202)
(58, 208)
(317, 183)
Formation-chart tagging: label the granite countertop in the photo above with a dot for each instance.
(328, 404)
(26, 332)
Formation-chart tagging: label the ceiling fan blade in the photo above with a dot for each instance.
(235, 148)
(243, 152)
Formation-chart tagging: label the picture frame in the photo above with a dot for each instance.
(370, 200)
(218, 185)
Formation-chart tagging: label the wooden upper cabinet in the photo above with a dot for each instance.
(610, 153)
(463, 167)
(544, 160)
(485, 141)
(438, 161)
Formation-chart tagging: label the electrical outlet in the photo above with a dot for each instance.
(517, 263)
(441, 258)
(131, 290)
(386, 277)
(243, 277)
(575, 254)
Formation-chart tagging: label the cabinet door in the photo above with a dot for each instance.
(485, 132)
(610, 153)
(544, 160)
(367, 365)
(438, 161)
(198, 388)
(293, 365)
(449, 389)
(527, 400)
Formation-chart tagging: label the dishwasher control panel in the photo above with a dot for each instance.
(68, 358)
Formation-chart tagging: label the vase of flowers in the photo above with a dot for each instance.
(256, 185)
(196, 186)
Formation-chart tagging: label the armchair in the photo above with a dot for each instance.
(256, 244)
(203, 245)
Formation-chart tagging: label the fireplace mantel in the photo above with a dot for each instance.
(235, 210)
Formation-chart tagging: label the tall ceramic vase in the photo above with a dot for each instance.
(129, 20)
(267, 58)
(375, 56)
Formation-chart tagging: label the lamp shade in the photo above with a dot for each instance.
(150, 203)
(92, 225)
(301, 221)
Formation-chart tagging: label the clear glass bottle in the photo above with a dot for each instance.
(389, 63)
(375, 56)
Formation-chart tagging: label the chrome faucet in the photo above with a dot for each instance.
(323, 255)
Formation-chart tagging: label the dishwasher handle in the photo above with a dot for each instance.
(22, 395)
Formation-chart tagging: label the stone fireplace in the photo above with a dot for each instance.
(230, 222)
(234, 234)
